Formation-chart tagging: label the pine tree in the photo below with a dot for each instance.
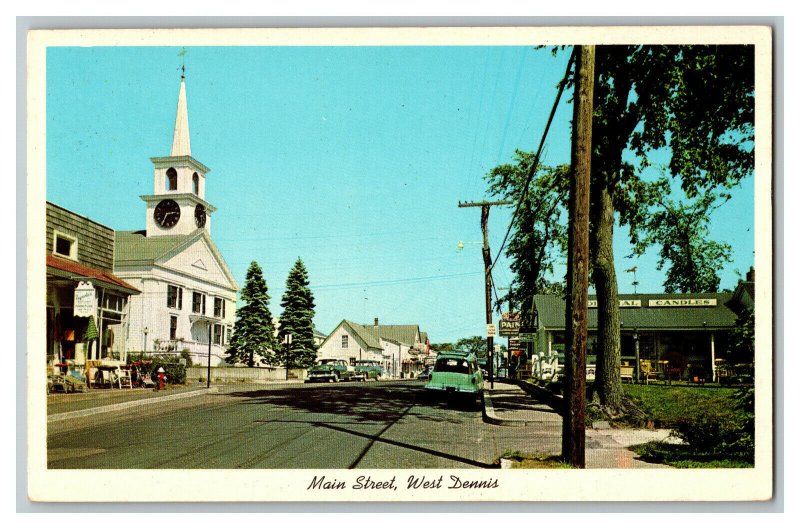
(298, 319)
(254, 332)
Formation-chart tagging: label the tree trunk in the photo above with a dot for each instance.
(608, 384)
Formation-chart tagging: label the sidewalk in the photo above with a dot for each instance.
(509, 405)
(64, 406)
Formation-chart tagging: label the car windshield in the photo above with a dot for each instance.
(452, 365)
(326, 362)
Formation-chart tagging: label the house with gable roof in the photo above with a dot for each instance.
(399, 348)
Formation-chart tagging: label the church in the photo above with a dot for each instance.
(188, 294)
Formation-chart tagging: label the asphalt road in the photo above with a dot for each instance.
(387, 424)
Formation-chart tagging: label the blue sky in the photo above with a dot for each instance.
(352, 158)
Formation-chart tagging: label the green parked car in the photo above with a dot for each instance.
(333, 370)
(370, 368)
(456, 375)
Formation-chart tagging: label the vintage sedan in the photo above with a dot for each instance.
(371, 369)
(456, 375)
(333, 370)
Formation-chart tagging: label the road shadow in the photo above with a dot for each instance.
(357, 402)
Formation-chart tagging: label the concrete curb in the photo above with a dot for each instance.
(491, 417)
(125, 405)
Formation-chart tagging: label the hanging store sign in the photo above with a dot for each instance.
(623, 303)
(510, 323)
(513, 343)
(84, 304)
(682, 302)
(526, 337)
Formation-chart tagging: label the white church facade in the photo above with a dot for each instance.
(188, 294)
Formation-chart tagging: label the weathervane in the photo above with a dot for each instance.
(182, 54)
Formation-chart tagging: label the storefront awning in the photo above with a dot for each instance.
(75, 271)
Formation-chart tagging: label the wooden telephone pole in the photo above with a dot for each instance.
(574, 427)
(487, 268)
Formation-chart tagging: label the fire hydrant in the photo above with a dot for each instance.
(160, 378)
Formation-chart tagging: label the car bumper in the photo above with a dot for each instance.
(445, 389)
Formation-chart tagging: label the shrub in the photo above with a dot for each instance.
(720, 429)
(174, 371)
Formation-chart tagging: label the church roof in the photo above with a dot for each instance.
(135, 248)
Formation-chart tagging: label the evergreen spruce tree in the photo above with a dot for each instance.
(254, 332)
(298, 320)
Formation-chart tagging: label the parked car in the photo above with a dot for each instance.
(456, 375)
(333, 370)
(425, 374)
(370, 368)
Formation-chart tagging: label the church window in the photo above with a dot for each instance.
(344, 341)
(174, 297)
(195, 184)
(171, 183)
(173, 327)
(219, 334)
(198, 303)
(219, 308)
(65, 246)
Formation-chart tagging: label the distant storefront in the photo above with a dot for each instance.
(693, 328)
(87, 305)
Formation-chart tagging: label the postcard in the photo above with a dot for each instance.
(400, 264)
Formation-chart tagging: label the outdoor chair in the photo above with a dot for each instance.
(626, 373)
(124, 378)
(648, 371)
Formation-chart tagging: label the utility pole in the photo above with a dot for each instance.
(574, 427)
(487, 268)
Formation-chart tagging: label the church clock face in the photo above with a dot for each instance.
(167, 213)
(200, 215)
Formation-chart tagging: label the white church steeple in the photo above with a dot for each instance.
(177, 205)
(181, 145)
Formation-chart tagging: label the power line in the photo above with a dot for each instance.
(535, 164)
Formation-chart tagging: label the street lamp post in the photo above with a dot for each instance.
(636, 350)
(145, 340)
(208, 370)
(287, 340)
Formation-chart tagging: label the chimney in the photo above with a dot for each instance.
(751, 274)
(376, 322)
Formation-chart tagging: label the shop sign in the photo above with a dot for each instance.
(513, 343)
(712, 302)
(84, 301)
(623, 303)
(491, 329)
(526, 337)
(509, 328)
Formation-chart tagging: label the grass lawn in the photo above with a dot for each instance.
(665, 405)
(709, 419)
(524, 460)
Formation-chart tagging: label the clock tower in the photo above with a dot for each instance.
(177, 205)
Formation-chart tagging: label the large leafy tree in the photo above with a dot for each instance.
(680, 231)
(254, 332)
(694, 104)
(473, 345)
(539, 231)
(298, 319)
